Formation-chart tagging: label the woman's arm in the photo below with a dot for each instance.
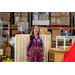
(27, 45)
(43, 45)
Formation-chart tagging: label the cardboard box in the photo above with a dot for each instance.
(5, 16)
(55, 33)
(49, 33)
(26, 32)
(43, 30)
(24, 14)
(1, 51)
(5, 39)
(5, 32)
(60, 20)
(14, 32)
(8, 49)
(65, 14)
(17, 14)
(4, 49)
(8, 54)
(4, 45)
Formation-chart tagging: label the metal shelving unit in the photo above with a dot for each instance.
(1, 27)
(29, 21)
(49, 28)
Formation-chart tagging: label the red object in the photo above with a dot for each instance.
(70, 55)
(19, 33)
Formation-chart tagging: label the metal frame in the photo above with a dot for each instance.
(30, 21)
(8, 30)
(64, 39)
(72, 24)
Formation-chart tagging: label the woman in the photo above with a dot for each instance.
(35, 49)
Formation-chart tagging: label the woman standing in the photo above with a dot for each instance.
(35, 49)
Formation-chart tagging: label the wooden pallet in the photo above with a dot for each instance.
(60, 25)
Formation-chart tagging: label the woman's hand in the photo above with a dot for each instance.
(27, 58)
(44, 58)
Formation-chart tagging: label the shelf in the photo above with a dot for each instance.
(50, 28)
(73, 28)
(16, 28)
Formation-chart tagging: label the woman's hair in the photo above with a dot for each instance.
(32, 32)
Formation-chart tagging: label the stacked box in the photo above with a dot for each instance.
(60, 21)
(63, 14)
(5, 39)
(17, 14)
(40, 18)
(25, 16)
(6, 17)
(60, 18)
(26, 32)
(43, 30)
(1, 51)
(14, 32)
(4, 49)
(49, 33)
(8, 52)
(22, 15)
(55, 33)
(4, 45)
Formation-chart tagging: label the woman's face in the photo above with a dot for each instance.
(36, 30)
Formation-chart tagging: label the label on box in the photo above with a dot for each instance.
(1, 51)
(53, 20)
(58, 21)
(16, 18)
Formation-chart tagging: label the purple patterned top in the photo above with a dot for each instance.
(35, 51)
